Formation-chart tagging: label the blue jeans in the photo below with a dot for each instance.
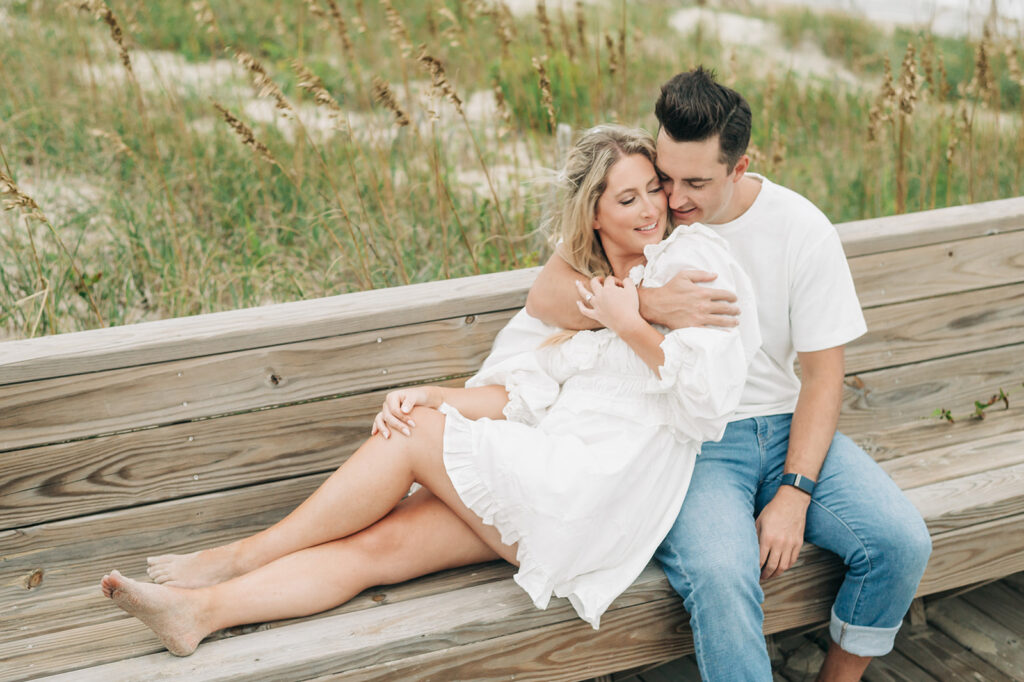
(711, 554)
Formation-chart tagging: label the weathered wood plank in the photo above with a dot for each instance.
(890, 410)
(953, 461)
(285, 323)
(77, 552)
(937, 327)
(53, 410)
(889, 233)
(943, 658)
(939, 269)
(895, 667)
(968, 500)
(969, 555)
(88, 476)
(802, 596)
(985, 637)
(1001, 603)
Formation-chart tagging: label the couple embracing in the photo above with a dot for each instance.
(631, 410)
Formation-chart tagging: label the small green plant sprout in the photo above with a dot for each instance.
(979, 407)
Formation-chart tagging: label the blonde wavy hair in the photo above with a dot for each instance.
(569, 220)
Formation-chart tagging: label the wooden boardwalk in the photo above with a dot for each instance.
(973, 636)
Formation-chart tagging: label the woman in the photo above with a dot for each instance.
(561, 461)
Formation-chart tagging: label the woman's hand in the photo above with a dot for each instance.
(394, 414)
(613, 302)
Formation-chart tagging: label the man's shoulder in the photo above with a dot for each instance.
(792, 207)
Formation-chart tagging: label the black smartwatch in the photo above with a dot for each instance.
(799, 481)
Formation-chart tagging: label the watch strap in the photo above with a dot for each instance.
(799, 481)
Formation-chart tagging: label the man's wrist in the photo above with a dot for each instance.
(793, 495)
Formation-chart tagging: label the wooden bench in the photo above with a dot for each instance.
(187, 433)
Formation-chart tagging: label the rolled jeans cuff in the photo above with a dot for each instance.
(862, 640)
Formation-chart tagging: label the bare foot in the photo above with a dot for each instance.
(172, 613)
(198, 569)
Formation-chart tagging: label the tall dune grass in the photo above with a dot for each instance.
(202, 156)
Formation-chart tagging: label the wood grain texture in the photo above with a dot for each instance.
(890, 410)
(801, 597)
(944, 658)
(284, 323)
(953, 461)
(53, 410)
(939, 269)
(77, 552)
(890, 233)
(969, 500)
(951, 325)
(965, 556)
(97, 474)
(989, 640)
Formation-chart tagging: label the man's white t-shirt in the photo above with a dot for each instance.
(804, 292)
(805, 296)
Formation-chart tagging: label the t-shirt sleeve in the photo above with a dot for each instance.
(824, 309)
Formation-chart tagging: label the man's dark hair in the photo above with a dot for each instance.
(693, 107)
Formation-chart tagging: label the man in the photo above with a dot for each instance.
(781, 473)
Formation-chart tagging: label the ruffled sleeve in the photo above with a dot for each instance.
(531, 389)
(704, 374)
(705, 368)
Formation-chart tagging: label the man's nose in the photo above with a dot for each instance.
(676, 197)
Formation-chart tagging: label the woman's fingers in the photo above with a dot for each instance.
(380, 427)
(393, 421)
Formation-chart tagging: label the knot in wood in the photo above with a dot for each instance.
(470, 319)
(33, 579)
(274, 379)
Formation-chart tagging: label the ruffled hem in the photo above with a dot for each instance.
(460, 462)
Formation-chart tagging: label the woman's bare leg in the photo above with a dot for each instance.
(422, 535)
(359, 493)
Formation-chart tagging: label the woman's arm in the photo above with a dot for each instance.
(473, 403)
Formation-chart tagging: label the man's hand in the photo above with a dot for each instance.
(682, 302)
(780, 530)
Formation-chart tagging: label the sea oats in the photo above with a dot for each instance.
(546, 97)
(101, 11)
(581, 26)
(312, 84)
(382, 93)
(18, 199)
(265, 85)
(545, 26)
(245, 134)
(613, 54)
(906, 94)
(116, 141)
(439, 82)
(342, 27)
(396, 27)
(204, 15)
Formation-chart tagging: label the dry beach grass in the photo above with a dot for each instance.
(193, 157)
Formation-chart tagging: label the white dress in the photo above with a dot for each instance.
(589, 469)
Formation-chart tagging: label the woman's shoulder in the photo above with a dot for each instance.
(691, 244)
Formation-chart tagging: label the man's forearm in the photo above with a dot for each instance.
(814, 424)
(552, 298)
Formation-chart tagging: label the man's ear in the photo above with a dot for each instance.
(741, 167)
